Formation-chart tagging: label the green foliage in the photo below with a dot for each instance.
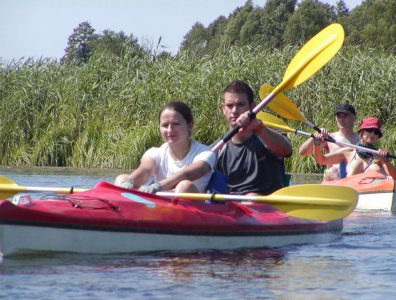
(104, 113)
(79, 47)
(215, 30)
(341, 9)
(114, 42)
(196, 39)
(373, 24)
(84, 42)
(274, 21)
(250, 28)
(309, 18)
(280, 23)
(235, 23)
(247, 25)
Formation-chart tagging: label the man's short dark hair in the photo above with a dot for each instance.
(239, 87)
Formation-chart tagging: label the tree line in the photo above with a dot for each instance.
(282, 22)
(278, 24)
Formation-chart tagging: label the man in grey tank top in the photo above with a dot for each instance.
(253, 158)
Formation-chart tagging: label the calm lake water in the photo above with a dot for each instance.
(361, 264)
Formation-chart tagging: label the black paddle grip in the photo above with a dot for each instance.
(231, 133)
(328, 139)
(251, 114)
(234, 130)
(317, 129)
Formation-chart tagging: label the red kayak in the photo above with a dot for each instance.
(109, 219)
(376, 191)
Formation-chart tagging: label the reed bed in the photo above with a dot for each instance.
(105, 113)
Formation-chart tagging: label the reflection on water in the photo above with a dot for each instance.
(193, 274)
(179, 264)
(220, 264)
(288, 272)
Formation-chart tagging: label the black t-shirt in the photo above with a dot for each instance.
(250, 167)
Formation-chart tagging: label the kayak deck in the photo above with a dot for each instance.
(376, 191)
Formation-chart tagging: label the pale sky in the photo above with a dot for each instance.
(40, 28)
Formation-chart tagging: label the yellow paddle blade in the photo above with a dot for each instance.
(314, 201)
(272, 121)
(282, 105)
(305, 201)
(5, 180)
(9, 188)
(314, 55)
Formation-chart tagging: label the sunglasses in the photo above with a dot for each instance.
(373, 130)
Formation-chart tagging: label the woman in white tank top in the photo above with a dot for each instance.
(180, 163)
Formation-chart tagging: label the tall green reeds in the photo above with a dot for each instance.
(105, 113)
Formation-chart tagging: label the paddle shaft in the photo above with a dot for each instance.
(8, 190)
(313, 126)
(329, 139)
(36, 189)
(270, 199)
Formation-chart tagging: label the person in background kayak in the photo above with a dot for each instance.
(358, 161)
(345, 117)
(253, 158)
(180, 163)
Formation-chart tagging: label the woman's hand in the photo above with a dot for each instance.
(152, 188)
(382, 155)
(127, 183)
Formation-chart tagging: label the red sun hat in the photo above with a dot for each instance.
(370, 123)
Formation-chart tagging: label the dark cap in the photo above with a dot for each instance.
(345, 108)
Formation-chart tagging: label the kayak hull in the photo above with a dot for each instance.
(20, 240)
(109, 220)
(376, 191)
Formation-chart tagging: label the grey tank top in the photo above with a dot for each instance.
(251, 167)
